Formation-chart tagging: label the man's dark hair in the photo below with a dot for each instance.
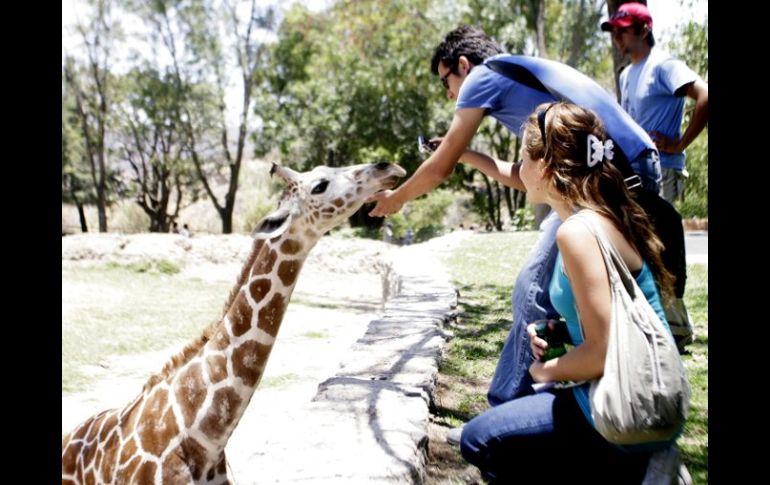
(638, 30)
(467, 41)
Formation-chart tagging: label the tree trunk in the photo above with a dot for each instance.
(540, 27)
(82, 216)
(490, 200)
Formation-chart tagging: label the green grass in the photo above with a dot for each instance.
(484, 268)
(694, 443)
(280, 381)
(115, 310)
(316, 334)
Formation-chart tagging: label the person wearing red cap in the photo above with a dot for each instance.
(652, 91)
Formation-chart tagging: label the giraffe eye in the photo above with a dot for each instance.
(320, 188)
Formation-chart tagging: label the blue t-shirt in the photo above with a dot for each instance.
(647, 94)
(505, 100)
(563, 300)
(511, 102)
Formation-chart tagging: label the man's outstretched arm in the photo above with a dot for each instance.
(437, 168)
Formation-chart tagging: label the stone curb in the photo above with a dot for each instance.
(377, 406)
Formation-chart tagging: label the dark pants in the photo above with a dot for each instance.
(668, 227)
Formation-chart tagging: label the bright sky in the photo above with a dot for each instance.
(667, 14)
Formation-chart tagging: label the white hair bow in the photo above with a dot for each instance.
(597, 151)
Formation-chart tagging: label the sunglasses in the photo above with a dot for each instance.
(445, 78)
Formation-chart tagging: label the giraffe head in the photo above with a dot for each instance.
(316, 201)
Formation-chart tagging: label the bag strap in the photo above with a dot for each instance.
(524, 76)
(616, 266)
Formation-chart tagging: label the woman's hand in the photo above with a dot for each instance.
(538, 345)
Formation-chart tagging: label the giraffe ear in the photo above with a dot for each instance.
(288, 175)
(273, 224)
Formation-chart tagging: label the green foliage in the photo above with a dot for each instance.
(351, 82)
(161, 266)
(574, 38)
(127, 217)
(256, 212)
(691, 46)
(696, 195)
(363, 232)
(425, 216)
(524, 219)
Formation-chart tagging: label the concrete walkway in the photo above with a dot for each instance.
(346, 393)
(368, 422)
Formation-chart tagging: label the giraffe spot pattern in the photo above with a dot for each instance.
(222, 412)
(174, 469)
(190, 392)
(272, 314)
(110, 451)
(126, 474)
(240, 312)
(221, 340)
(247, 362)
(127, 418)
(129, 450)
(194, 455)
(70, 456)
(108, 427)
(98, 419)
(258, 289)
(158, 426)
(291, 246)
(217, 367)
(288, 271)
(264, 264)
(146, 473)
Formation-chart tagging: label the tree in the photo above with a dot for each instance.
(91, 85)
(75, 187)
(153, 146)
(691, 46)
(351, 85)
(203, 39)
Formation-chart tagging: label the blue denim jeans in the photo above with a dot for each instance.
(529, 302)
(544, 438)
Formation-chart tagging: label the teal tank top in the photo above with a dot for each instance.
(563, 300)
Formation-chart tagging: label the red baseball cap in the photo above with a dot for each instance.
(627, 15)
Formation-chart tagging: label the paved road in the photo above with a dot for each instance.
(696, 245)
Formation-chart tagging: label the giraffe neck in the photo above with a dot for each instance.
(213, 390)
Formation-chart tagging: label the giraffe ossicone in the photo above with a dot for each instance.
(176, 429)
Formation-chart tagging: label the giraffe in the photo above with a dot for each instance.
(176, 429)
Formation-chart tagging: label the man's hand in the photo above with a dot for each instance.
(386, 204)
(666, 144)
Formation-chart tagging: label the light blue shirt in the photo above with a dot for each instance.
(647, 94)
(511, 102)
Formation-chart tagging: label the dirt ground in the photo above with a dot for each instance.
(350, 299)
